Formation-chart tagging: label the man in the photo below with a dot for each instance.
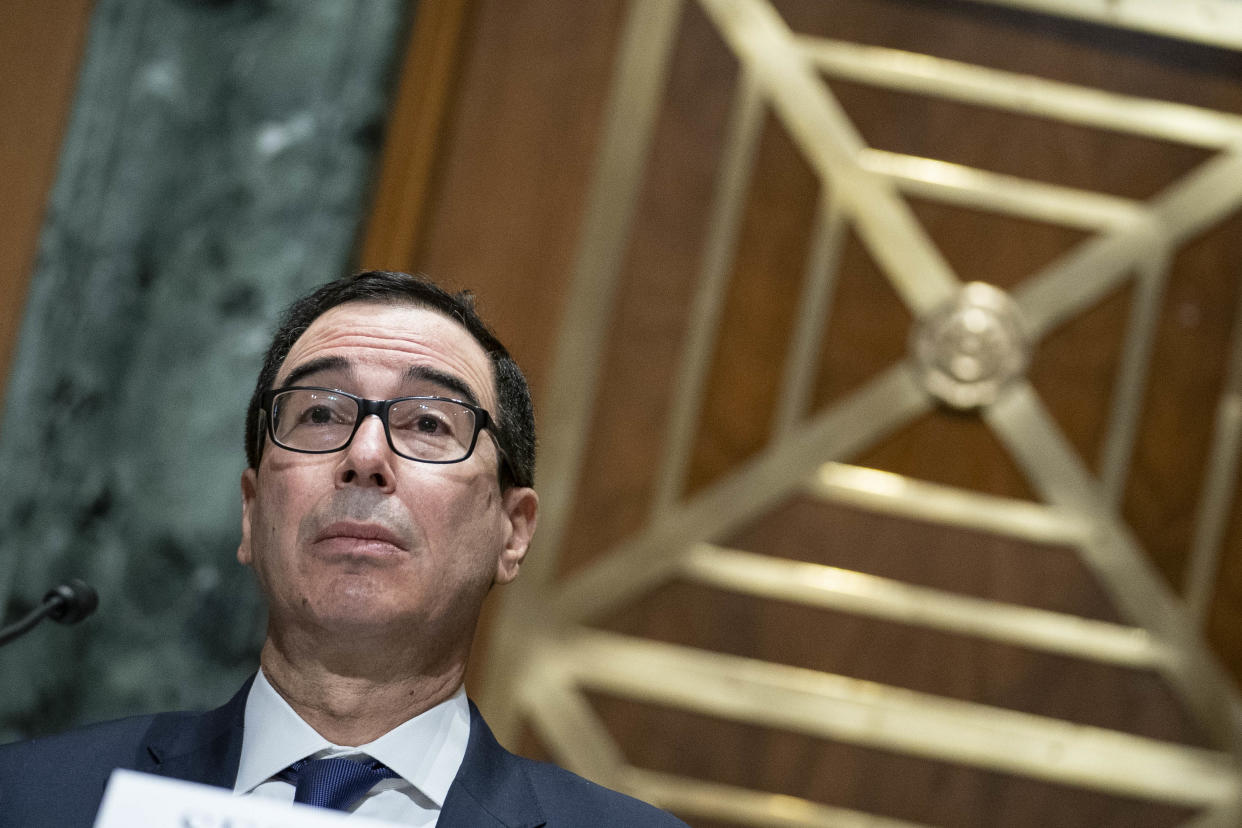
(390, 442)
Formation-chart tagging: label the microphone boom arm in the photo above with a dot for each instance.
(68, 603)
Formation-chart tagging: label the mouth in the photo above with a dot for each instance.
(359, 539)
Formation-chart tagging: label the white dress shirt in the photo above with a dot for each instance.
(425, 751)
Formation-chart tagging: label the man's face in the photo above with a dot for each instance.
(363, 541)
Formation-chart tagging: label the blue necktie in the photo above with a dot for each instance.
(333, 783)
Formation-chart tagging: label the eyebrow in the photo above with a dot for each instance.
(446, 380)
(449, 381)
(315, 366)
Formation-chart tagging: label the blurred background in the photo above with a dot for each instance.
(887, 357)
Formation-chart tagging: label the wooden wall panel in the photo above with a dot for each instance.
(660, 270)
(40, 47)
(490, 173)
(900, 787)
(509, 185)
(510, 179)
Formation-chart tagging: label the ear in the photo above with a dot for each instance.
(521, 507)
(249, 488)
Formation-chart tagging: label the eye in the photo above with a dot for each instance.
(430, 424)
(313, 409)
(317, 415)
(326, 413)
(426, 420)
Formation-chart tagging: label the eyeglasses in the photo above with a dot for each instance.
(427, 429)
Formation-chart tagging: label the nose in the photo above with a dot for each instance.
(368, 461)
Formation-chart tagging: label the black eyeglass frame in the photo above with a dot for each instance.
(483, 420)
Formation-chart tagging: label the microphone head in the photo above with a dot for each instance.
(75, 600)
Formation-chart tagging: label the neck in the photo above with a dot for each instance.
(359, 695)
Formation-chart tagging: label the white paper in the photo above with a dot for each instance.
(133, 799)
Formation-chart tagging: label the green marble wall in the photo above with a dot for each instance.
(216, 165)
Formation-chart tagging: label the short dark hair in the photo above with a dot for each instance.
(515, 417)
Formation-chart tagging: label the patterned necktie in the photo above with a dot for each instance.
(333, 783)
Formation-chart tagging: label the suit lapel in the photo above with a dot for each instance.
(491, 788)
(198, 747)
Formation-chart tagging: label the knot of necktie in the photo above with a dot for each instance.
(334, 783)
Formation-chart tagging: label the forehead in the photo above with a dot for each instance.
(393, 339)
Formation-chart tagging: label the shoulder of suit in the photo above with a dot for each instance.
(560, 797)
(577, 800)
(99, 732)
(119, 741)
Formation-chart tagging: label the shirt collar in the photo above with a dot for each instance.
(425, 751)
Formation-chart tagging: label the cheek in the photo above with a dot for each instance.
(469, 525)
(273, 527)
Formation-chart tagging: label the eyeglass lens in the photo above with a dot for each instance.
(315, 420)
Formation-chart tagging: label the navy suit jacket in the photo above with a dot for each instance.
(58, 781)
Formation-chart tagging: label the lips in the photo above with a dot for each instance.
(360, 538)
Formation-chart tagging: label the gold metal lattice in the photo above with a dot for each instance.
(542, 646)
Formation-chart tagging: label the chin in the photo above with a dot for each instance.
(365, 609)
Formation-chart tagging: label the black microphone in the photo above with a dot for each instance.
(74, 600)
(68, 603)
